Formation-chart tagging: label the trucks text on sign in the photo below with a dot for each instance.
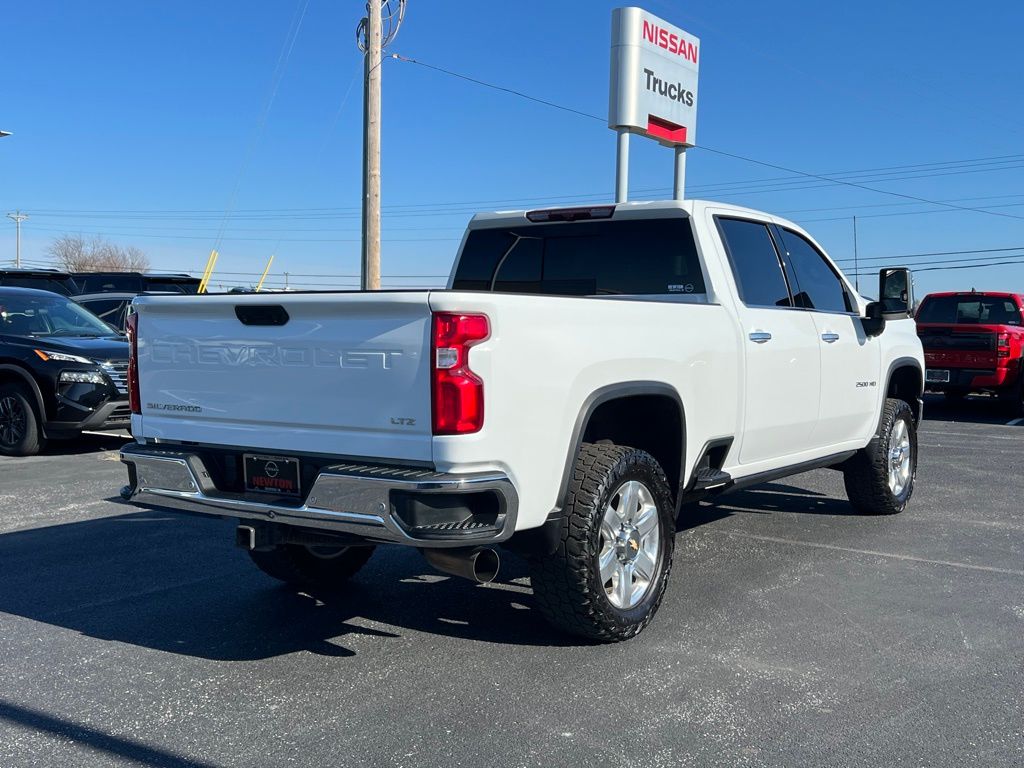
(653, 78)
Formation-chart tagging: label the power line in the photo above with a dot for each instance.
(719, 152)
(963, 266)
(442, 212)
(921, 264)
(942, 168)
(940, 253)
(858, 186)
(512, 91)
(261, 122)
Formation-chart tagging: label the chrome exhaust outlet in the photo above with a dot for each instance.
(479, 564)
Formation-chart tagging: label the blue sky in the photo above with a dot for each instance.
(142, 122)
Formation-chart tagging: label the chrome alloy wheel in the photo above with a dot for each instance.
(630, 551)
(13, 421)
(899, 454)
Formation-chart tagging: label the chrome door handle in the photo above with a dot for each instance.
(760, 337)
(830, 338)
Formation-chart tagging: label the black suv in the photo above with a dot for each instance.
(43, 279)
(62, 371)
(135, 282)
(109, 294)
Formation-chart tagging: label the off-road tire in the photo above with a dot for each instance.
(567, 586)
(866, 475)
(298, 565)
(1013, 398)
(18, 416)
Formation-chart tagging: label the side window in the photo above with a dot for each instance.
(107, 310)
(1011, 315)
(815, 284)
(755, 263)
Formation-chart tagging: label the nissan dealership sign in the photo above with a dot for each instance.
(653, 78)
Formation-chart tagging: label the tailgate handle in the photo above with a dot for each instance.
(261, 314)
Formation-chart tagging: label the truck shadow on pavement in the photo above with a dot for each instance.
(90, 442)
(174, 582)
(177, 584)
(763, 499)
(976, 409)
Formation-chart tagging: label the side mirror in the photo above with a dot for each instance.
(896, 293)
(874, 319)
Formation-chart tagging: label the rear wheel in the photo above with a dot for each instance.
(1013, 398)
(608, 576)
(313, 566)
(879, 479)
(19, 427)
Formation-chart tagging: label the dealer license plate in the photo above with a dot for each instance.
(271, 474)
(940, 375)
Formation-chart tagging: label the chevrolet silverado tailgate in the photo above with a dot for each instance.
(337, 374)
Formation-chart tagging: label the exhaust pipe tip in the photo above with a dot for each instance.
(479, 564)
(486, 565)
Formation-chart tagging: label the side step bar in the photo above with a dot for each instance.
(708, 479)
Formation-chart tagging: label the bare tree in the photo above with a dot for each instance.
(75, 253)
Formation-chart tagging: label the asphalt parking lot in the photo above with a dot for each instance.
(794, 633)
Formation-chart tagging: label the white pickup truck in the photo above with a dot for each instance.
(586, 373)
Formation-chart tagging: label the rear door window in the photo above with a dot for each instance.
(110, 311)
(814, 282)
(755, 263)
(586, 258)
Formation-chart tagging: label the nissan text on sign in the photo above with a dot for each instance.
(653, 78)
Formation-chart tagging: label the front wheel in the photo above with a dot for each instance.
(19, 427)
(312, 566)
(608, 576)
(879, 479)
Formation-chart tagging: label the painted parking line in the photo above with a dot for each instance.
(1015, 422)
(870, 552)
(979, 433)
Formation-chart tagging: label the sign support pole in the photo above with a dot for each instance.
(622, 168)
(680, 180)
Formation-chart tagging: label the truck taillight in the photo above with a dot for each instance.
(458, 393)
(132, 329)
(1003, 345)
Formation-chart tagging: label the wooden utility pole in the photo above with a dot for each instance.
(370, 277)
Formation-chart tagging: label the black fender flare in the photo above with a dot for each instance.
(604, 395)
(905, 362)
(28, 379)
(544, 540)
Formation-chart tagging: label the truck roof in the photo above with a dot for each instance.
(999, 294)
(632, 209)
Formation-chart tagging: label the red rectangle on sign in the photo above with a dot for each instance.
(666, 131)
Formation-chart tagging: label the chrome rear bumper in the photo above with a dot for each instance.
(353, 499)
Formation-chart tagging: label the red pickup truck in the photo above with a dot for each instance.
(974, 342)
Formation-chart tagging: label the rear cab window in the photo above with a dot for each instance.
(645, 257)
(969, 310)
